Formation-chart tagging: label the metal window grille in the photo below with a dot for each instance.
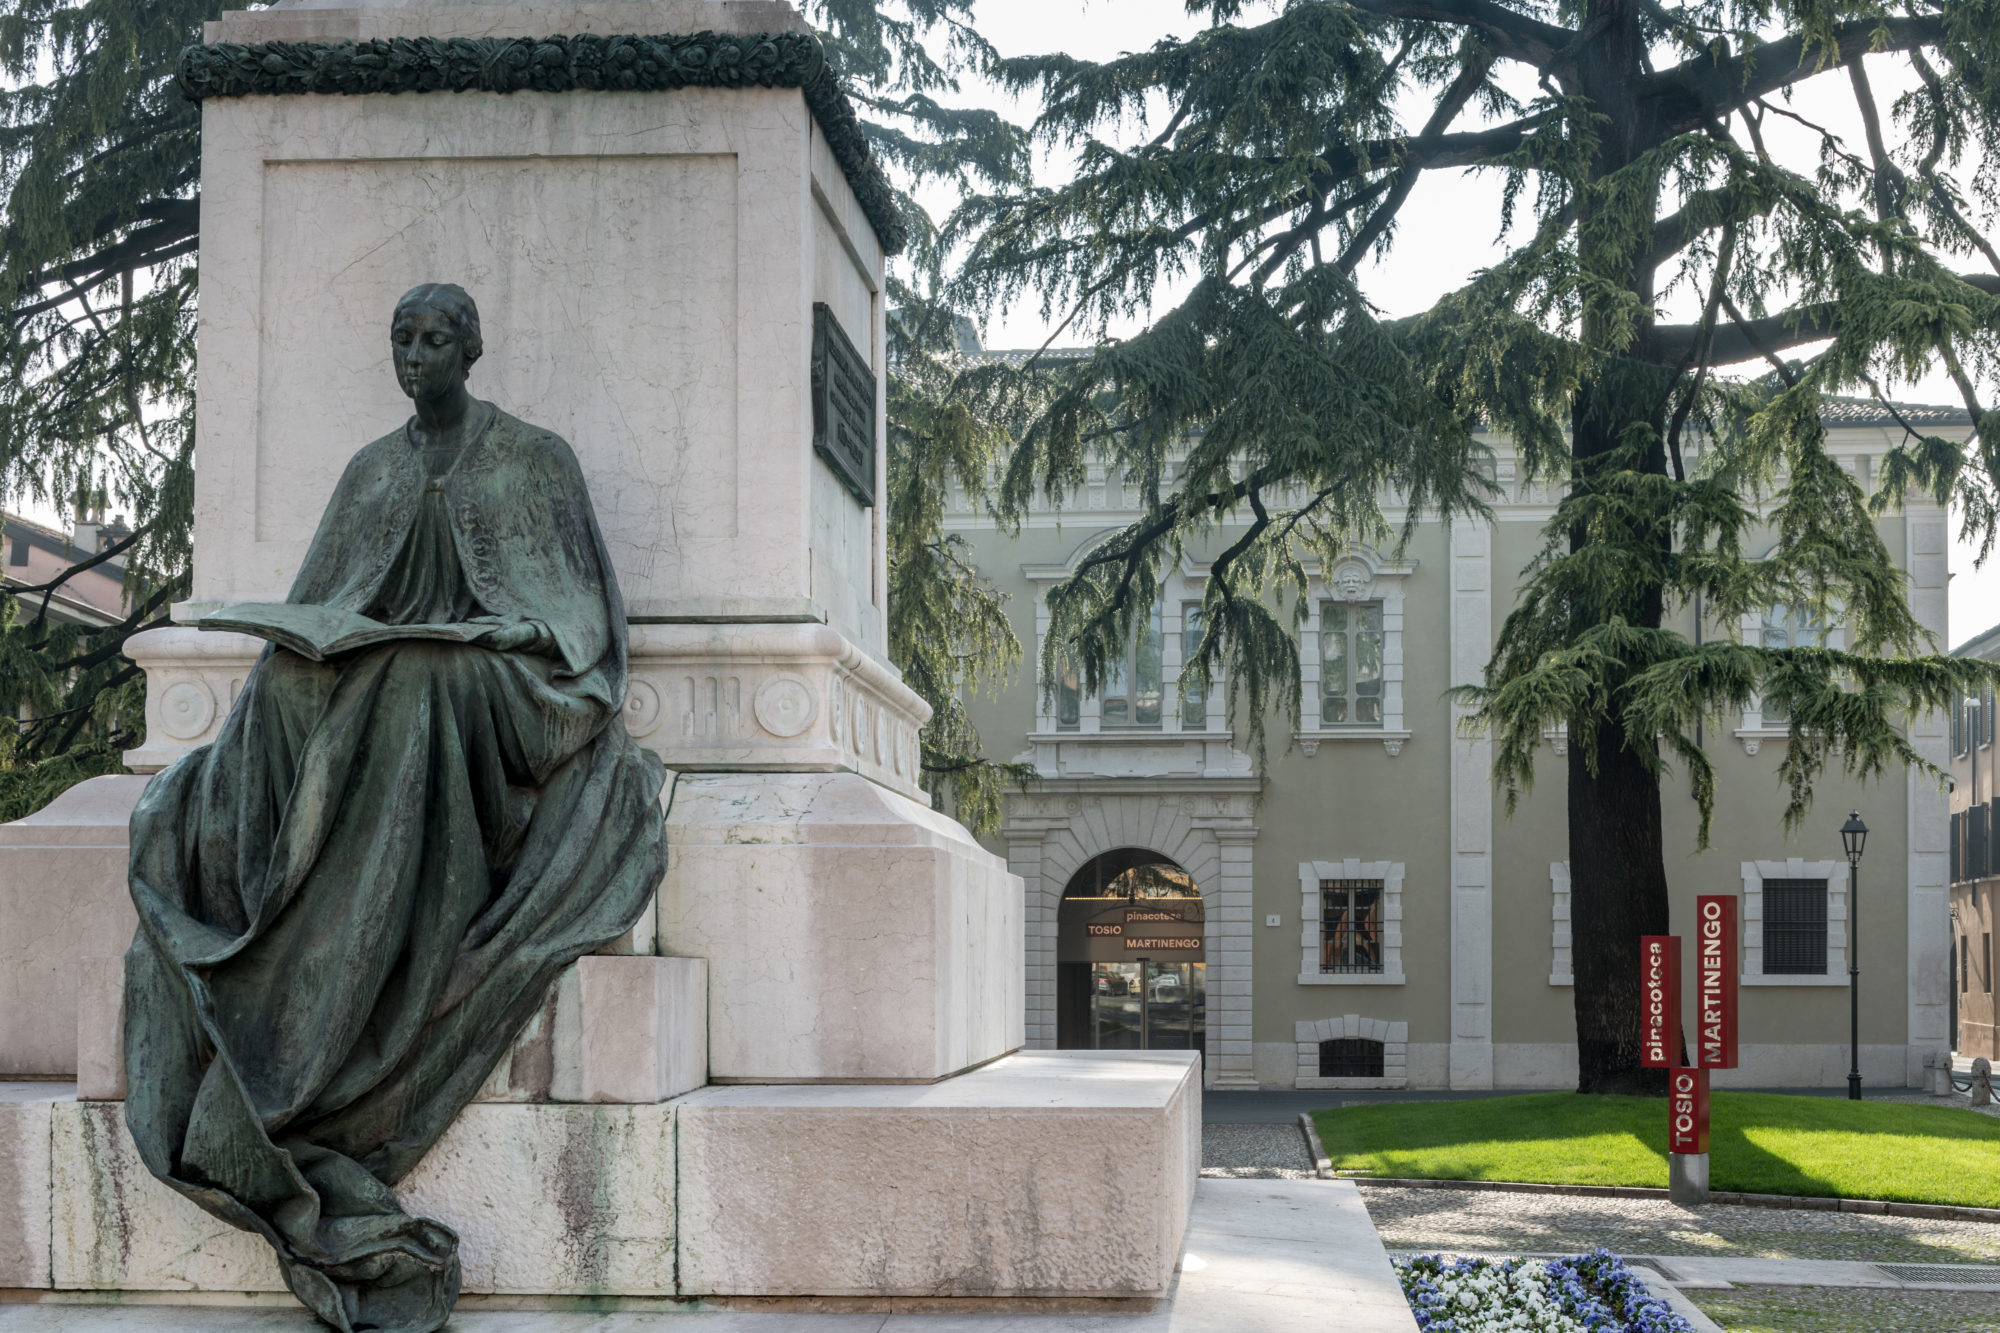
(1795, 927)
(1350, 1057)
(1350, 925)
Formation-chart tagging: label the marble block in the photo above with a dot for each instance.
(646, 266)
(63, 897)
(26, 1201)
(555, 1200)
(638, 1030)
(1048, 1173)
(631, 1029)
(100, 1028)
(851, 934)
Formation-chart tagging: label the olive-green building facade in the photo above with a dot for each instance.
(1371, 916)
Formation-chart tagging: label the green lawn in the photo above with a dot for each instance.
(1760, 1143)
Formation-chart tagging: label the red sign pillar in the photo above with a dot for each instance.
(1715, 981)
(1687, 1111)
(1660, 1001)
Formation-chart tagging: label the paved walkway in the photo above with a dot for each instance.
(1262, 1256)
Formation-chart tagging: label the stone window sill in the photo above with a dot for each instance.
(1830, 979)
(1352, 1083)
(1350, 978)
(1310, 741)
(1753, 738)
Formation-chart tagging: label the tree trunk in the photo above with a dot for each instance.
(1618, 878)
(1618, 892)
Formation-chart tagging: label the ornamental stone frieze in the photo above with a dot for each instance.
(705, 698)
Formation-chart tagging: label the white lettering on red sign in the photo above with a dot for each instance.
(1656, 1001)
(1711, 980)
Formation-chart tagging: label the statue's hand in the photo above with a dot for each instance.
(510, 635)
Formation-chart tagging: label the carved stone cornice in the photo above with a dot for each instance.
(705, 698)
(582, 63)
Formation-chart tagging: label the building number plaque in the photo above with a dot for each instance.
(843, 403)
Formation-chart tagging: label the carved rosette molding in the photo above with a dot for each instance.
(582, 63)
(192, 679)
(705, 698)
(778, 698)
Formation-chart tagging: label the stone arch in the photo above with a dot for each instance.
(1204, 827)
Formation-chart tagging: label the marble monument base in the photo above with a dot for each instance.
(1046, 1174)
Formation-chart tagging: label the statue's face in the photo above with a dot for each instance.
(430, 359)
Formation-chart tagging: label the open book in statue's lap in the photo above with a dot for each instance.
(353, 899)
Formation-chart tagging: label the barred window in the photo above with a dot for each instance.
(1350, 664)
(1350, 1057)
(1795, 927)
(1350, 925)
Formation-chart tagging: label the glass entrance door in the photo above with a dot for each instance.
(1147, 1006)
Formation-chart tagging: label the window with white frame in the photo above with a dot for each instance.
(1789, 627)
(1133, 682)
(1352, 927)
(1194, 701)
(1143, 689)
(1350, 664)
(1794, 923)
(1352, 657)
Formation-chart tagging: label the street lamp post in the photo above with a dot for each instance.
(1853, 835)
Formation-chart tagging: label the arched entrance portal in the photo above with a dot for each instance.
(1130, 972)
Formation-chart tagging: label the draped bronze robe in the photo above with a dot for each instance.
(353, 900)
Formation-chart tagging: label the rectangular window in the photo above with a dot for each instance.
(1795, 927)
(1986, 716)
(1964, 964)
(1788, 628)
(1350, 664)
(1350, 1057)
(1132, 681)
(1068, 693)
(1350, 925)
(1194, 702)
(17, 554)
(1958, 727)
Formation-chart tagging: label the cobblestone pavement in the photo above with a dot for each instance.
(1849, 1310)
(1264, 1152)
(1499, 1221)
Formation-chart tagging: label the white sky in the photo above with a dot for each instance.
(1440, 241)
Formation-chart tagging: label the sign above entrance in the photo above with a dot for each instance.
(1164, 944)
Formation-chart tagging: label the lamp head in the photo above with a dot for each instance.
(1853, 836)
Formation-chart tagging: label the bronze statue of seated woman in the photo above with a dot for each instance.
(423, 805)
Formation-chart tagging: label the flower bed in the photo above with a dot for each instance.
(1589, 1293)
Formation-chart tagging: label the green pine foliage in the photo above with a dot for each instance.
(99, 162)
(1265, 413)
